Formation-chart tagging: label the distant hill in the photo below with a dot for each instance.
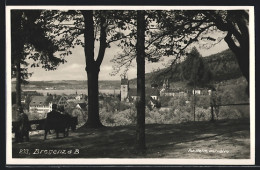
(223, 66)
(68, 84)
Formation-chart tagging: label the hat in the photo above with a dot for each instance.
(54, 106)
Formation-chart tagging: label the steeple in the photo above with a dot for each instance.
(124, 80)
(124, 88)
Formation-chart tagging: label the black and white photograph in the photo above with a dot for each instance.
(135, 85)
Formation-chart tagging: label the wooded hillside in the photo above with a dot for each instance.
(223, 66)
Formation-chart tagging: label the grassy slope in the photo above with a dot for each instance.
(162, 141)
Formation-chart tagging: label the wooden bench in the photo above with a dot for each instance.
(40, 123)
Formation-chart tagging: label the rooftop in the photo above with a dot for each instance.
(40, 101)
(148, 92)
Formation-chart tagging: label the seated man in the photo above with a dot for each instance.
(56, 121)
(54, 113)
(23, 126)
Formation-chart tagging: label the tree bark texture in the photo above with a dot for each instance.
(140, 59)
(237, 27)
(18, 84)
(237, 38)
(17, 51)
(93, 67)
(212, 113)
(194, 104)
(93, 102)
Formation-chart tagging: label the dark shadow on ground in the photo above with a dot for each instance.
(162, 141)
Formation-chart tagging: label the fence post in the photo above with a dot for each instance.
(212, 113)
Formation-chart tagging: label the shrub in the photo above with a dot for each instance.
(154, 116)
(118, 118)
(233, 112)
(203, 101)
(202, 114)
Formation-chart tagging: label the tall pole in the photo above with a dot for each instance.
(140, 60)
(194, 101)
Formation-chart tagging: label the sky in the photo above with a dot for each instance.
(74, 68)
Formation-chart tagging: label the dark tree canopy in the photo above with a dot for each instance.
(194, 70)
(181, 28)
(32, 42)
(28, 40)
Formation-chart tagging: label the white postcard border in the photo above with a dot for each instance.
(109, 161)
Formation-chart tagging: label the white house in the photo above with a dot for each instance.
(41, 104)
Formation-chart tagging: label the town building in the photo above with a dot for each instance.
(76, 97)
(201, 91)
(167, 91)
(130, 94)
(27, 94)
(154, 93)
(41, 104)
(124, 88)
(61, 101)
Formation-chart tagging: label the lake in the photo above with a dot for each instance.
(73, 91)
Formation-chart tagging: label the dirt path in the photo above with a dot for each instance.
(223, 139)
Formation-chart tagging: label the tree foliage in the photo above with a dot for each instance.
(194, 70)
(86, 28)
(181, 28)
(28, 40)
(32, 42)
(171, 33)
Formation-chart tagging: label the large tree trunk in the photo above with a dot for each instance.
(242, 55)
(140, 59)
(92, 69)
(93, 102)
(238, 28)
(194, 103)
(237, 38)
(17, 51)
(18, 83)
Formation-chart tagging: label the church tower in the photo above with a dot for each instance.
(124, 88)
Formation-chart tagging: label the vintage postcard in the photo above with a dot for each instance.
(130, 85)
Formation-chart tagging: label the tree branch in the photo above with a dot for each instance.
(88, 37)
(232, 44)
(103, 44)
